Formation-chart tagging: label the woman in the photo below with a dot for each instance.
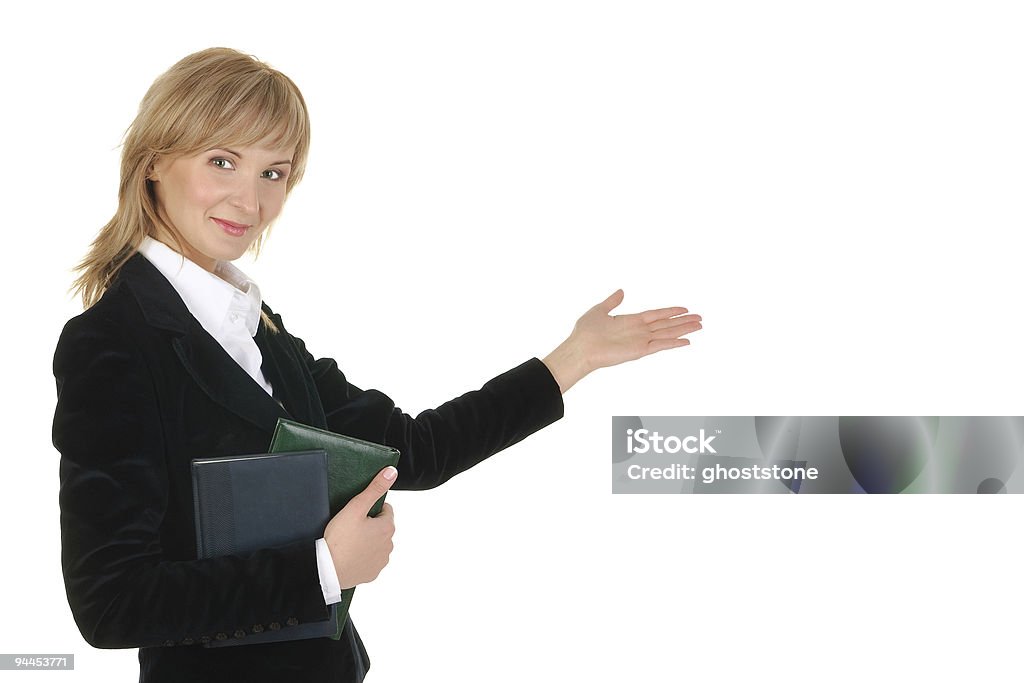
(176, 357)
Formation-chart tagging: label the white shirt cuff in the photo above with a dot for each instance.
(329, 583)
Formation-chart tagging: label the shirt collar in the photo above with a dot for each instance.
(208, 297)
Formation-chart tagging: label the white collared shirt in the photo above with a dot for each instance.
(228, 307)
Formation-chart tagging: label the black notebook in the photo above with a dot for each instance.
(248, 502)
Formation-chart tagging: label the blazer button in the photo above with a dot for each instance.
(222, 636)
(239, 633)
(292, 621)
(274, 626)
(204, 640)
(187, 641)
(168, 643)
(257, 628)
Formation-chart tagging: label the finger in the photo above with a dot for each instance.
(663, 344)
(659, 313)
(669, 322)
(677, 330)
(612, 301)
(364, 500)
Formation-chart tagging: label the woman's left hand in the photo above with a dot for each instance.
(600, 340)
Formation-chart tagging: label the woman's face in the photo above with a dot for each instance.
(221, 200)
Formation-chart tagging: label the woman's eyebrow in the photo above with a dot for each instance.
(285, 161)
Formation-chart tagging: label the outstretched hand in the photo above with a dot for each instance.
(600, 339)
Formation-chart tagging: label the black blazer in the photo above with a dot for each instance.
(142, 389)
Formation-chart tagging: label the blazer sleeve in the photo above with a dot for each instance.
(122, 589)
(440, 442)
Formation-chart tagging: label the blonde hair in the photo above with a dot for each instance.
(212, 98)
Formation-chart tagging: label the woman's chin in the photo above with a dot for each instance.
(229, 251)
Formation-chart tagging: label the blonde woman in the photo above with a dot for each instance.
(176, 356)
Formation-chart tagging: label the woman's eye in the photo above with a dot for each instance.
(227, 164)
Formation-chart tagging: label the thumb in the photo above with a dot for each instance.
(611, 302)
(364, 500)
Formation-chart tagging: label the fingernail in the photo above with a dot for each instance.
(390, 473)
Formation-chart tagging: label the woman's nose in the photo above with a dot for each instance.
(246, 197)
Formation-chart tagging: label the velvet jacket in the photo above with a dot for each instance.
(142, 389)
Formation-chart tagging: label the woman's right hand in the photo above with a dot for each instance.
(360, 546)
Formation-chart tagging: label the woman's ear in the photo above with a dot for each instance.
(153, 173)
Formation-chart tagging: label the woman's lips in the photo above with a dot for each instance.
(230, 227)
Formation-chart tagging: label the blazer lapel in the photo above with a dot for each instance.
(212, 368)
(224, 380)
(288, 375)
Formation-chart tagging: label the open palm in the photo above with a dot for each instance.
(612, 339)
(600, 339)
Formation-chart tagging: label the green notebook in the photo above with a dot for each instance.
(351, 466)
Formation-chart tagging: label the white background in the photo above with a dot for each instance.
(834, 187)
